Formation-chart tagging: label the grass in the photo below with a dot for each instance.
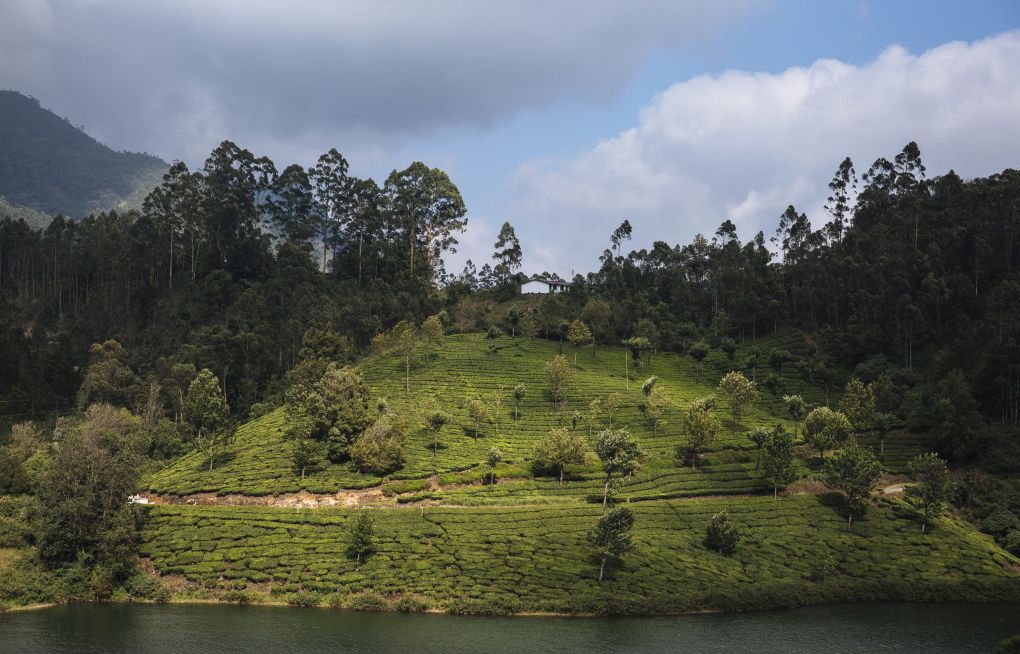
(259, 461)
(795, 550)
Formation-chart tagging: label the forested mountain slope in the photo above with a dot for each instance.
(48, 164)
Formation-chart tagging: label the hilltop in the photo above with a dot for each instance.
(52, 166)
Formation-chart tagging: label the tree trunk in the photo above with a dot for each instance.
(407, 374)
(605, 496)
(602, 569)
(561, 475)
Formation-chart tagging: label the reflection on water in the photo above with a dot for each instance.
(138, 629)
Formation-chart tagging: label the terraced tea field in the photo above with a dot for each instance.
(795, 550)
(259, 461)
(446, 540)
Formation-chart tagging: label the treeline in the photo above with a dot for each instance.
(228, 268)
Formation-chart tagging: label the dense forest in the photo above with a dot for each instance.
(52, 166)
(236, 266)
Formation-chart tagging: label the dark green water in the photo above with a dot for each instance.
(137, 629)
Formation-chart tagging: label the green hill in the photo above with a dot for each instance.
(259, 461)
(48, 164)
(446, 540)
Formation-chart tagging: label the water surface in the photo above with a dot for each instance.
(842, 628)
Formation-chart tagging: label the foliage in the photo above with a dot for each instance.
(854, 470)
(619, 454)
(932, 486)
(859, 405)
(380, 449)
(360, 536)
(610, 536)
(559, 374)
(777, 458)
(83, 494)
(722, 535)
(739, 391)
(825, 429)
(700, 428)
(560, 448)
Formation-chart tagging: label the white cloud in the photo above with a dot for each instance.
(745, 145)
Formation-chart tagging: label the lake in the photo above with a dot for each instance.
(138, 628)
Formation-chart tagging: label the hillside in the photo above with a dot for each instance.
(450, 541)
(259, 462)
(48, 164)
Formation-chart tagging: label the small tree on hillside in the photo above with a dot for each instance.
(558, 373)
(611, 403)
(578, 334)
(825, 429)
(932, 487)
(619, 455)
(306, 454)
(855, 471)
(859, 405)
(436, 421)
(477, 412)
(698, 352)
(758, 437)
(655, 408)
(207, 415)
(796, 409)
(598, 316)
(519, 392)
(700, 428)
(649, 385)
(777, 459)
(403, 338)
(432, 332)
(360, 537)
(497, 408)
(739, 391)
(610, 536)
(561, 448)
(594, 411)
(722, 535)
(492, 460)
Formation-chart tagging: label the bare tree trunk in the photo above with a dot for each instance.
(602, 569)
(605, 496)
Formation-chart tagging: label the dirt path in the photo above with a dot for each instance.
(376, 497)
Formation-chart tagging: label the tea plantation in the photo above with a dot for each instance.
(446, 541)
(795, 550)
(259, 461)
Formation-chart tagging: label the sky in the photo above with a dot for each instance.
(564, 118)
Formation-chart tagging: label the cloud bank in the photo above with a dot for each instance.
(293, 79)
(744, 145)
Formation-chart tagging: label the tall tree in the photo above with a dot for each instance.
(508, 253)
(430, 210)
(334, 198)
(610, 536)
(932, 486)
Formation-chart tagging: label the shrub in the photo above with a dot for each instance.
(142, 586)
(380, 450)
(303, 598)
(412, 604)
(240, 597)
(721, 535)
(367, 601)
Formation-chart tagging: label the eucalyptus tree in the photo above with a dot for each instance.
(334, 198)
(429, 209)
(619, 454)
(508, 254)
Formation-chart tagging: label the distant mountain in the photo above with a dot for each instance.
(49, 165)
